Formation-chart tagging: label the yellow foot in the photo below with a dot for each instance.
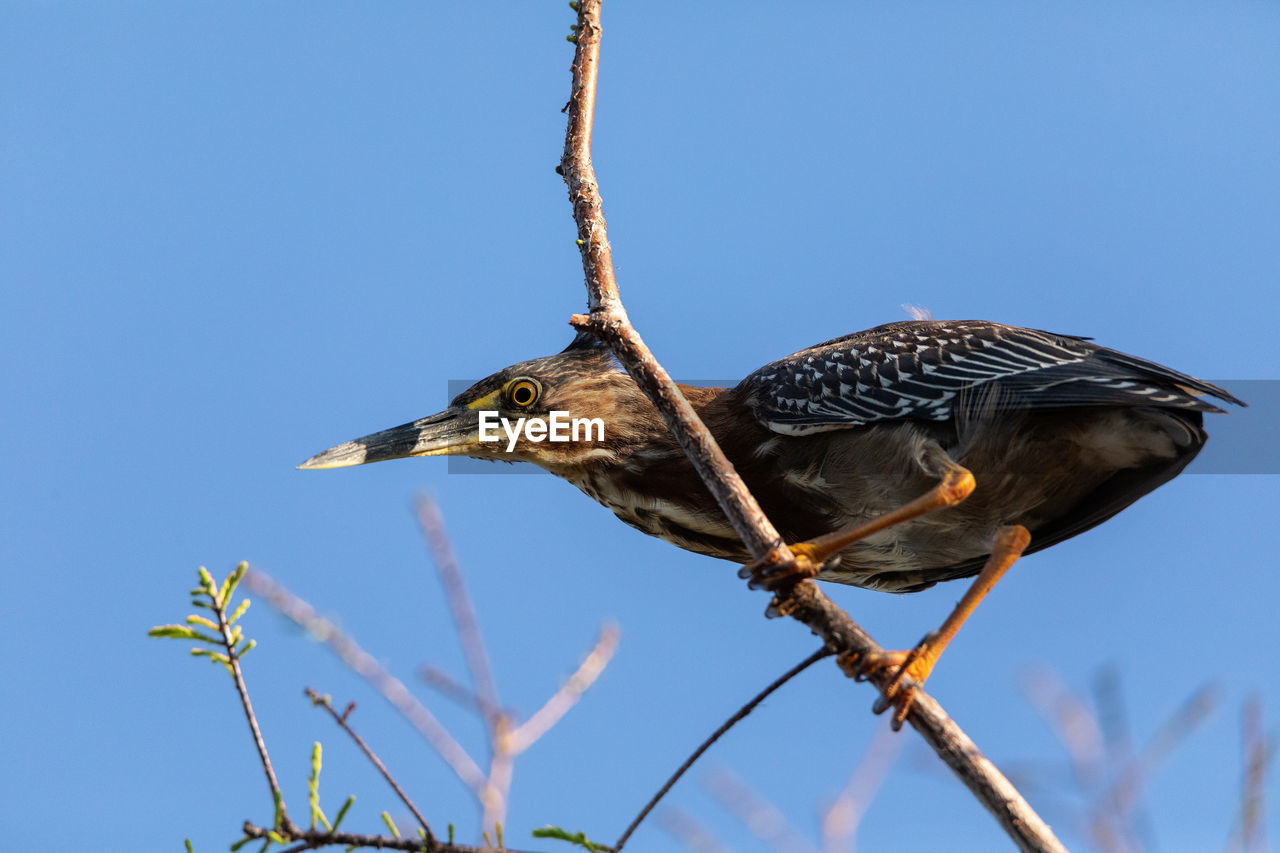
(914, 665)
(765, 574)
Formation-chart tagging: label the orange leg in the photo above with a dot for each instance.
(917, 663)
(956, 485)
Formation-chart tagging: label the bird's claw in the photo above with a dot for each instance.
(773, 574)
(915, 664)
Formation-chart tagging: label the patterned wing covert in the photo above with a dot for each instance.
(927, 369)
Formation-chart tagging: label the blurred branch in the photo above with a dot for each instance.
(1194, 710)
(762, 818)
(568, 695)
(507, 738)
(464, 612)
(1109, 775)
(607, 320)
(688, 832)
(1258, 752)
(450, 688)
(367, 667)
(841, 819)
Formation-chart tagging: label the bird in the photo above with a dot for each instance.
(891, 459)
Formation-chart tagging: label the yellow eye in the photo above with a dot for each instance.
(523, 392)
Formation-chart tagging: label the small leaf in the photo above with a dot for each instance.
(233, 580)
(242, 842)
(391, 825)
(187, 843)
(342, 812)
(177, 632)
(246, 648)
(313, 786)
(216, 657)
(205, 638)
(202, 621)
(244, 605)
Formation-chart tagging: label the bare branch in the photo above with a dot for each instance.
(706, 744)
(366, 666)
(341, 720)
(568, 695)
(312, 839)
(608, 321)
(233, 664)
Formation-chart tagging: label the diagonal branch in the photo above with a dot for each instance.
(341, 720)
(568, 695)
(607, 320)
(366, 666)
(738, 715)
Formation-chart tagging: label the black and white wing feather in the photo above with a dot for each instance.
(933, 370)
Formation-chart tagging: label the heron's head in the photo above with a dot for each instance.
(566, 410)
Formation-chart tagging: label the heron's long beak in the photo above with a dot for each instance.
(449, 433)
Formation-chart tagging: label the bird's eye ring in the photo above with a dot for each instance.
(523, 392)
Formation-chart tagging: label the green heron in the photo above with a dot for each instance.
(862, 450)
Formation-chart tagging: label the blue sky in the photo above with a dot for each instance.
(236, 234)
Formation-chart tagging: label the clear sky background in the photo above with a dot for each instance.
(235, 234)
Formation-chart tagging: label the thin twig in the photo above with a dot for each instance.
(568, 695)
(341, 720)
(315, 838)
(608, 321)
(706, 744)
(366, 666)
(233, 663)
